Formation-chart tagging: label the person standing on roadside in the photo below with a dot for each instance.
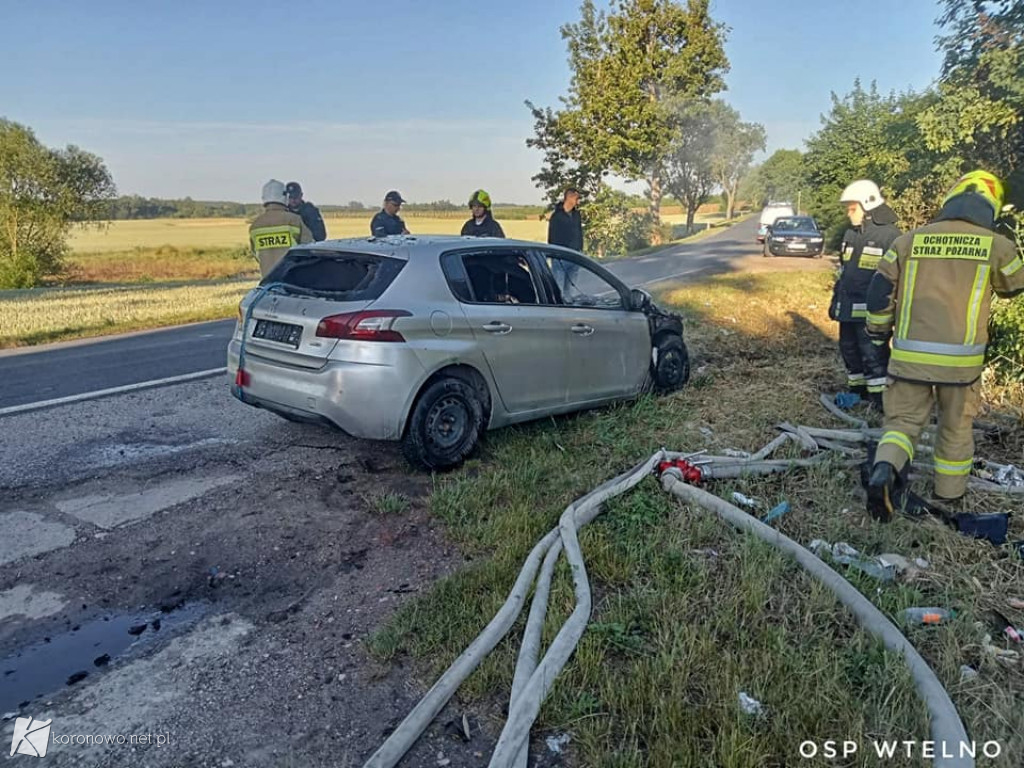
(932, 293)
(387, 221)
(871, 232)
(482, 224)
(310, 213)
(565, 228)
(277, 229)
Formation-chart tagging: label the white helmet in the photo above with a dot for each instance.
(864, 192)
(273, 192)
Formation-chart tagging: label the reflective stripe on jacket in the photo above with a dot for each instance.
(938, 302)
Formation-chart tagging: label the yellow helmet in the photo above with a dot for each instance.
(481, 197)
(981, 183)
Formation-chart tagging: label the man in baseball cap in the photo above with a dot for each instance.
(387, 221)
(310, 213)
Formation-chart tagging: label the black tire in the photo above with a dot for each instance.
(445, 425)
(766, 253)
(819, 254)
(672, 370)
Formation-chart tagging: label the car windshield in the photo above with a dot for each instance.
(795, 224)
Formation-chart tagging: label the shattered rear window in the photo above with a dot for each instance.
(338, 274)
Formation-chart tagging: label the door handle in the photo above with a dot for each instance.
(498, 327)
(582, 330)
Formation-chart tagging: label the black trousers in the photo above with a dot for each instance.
(866, 363)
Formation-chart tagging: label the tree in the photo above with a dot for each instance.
(627, 65)
(688, 166)
(779, 178)
(978, 118)
(735, 143)
(42, 193)
(611, 225)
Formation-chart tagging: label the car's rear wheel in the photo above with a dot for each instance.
(672, 368)
(445, 425)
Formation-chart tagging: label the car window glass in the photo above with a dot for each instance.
(500, 278)
(579, 286)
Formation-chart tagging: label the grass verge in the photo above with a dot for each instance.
(687, 613)
(43, 315)
(163, 264)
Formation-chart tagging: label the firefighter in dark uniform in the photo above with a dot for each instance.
(933, 293)
(482, 224)
(872, 230)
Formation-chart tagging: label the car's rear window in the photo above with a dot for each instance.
(352, 276)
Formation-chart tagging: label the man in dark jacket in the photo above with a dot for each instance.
(565, 228)
(482, 224)
(310, 213)
(387, 221)
(873, 228)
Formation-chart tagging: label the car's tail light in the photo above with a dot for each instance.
(375, 325)
(242, 378)
(241, 314)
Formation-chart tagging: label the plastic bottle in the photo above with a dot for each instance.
(927, 615)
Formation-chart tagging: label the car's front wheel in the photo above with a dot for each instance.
(671, 368)
(445, 425)
(765, 252)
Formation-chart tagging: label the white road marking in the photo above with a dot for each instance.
(669, 277)
(27, 407)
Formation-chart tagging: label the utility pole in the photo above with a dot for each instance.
(799, 193)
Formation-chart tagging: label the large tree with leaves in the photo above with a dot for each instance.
(978, 118)
(42, 192)
(687, 168)
(735, 143)
(628, 64)
(779, 178)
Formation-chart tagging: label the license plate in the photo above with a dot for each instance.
(282, 333)
(798, 246)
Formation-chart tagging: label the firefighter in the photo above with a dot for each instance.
(482, 224)
(277, 229)
(872, 230)
(933, 293)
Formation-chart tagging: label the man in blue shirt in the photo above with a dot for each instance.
(387, 221)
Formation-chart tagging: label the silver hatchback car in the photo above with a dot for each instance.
(433, 340)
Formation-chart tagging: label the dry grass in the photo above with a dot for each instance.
(676, 632)
(163, 264)
(126, 236)
(43, 315)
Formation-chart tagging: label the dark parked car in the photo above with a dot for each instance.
(794, 236)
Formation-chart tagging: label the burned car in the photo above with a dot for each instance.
(433, 340)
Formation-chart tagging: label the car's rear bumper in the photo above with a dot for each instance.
(365, 400)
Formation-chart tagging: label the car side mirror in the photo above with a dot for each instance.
(639, 300)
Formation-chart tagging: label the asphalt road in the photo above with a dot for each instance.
(66, 369)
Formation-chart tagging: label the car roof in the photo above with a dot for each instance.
(400, 246)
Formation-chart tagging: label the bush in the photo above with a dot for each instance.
(1006, 350)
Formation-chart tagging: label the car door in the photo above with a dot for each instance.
(524, 344)
(609, 343)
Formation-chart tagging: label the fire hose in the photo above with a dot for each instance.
(533, 679)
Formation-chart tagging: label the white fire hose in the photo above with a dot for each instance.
(533, 680)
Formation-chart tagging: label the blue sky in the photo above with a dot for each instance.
(209, 99)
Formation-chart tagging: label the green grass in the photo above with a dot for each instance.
(388, 503)
(676, 632)
(53, 314)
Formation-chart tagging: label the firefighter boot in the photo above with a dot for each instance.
(881, 489)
